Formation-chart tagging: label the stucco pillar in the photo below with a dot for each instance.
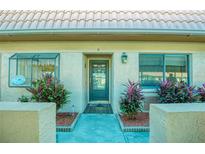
(71, 75)
(121, 74)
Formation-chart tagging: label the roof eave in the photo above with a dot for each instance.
(104, 31)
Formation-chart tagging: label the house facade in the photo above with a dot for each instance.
(93, 53)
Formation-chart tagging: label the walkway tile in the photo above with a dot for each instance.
(99, 128)
(137, 137)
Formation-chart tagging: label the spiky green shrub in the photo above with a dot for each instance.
(48, 89)
(131, 99)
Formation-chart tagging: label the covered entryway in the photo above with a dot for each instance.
(98, 84)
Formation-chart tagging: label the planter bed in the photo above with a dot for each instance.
(139, 124)
(66, 121)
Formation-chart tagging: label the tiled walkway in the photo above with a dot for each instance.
(100, 128)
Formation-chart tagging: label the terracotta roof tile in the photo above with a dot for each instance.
(8, 17)
(36, 16)
(72, 24)
(105, 23)
(67, 15)
(30, 16)
(41, 24)
(74, 15)
(26, 25)
(49, 25)
(57, 23)
(89, 24)
(44, 16)
(19, 25)
(59, 15)
(97, 16)
(81, 24)
(60, 19)
(51, 15)
(82, 16)
(65, 24)
(3, 15)
(33, 24)
(97, 24)
(89, 16)
(113, 24)
(113, 15)
(4, 25)
(11, 25)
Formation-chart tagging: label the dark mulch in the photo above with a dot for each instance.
(99, 109)
(65, 118)
(141, 119)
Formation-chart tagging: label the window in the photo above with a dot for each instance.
(27, 67)
(151, 69)
(176, 67)
(155, 68)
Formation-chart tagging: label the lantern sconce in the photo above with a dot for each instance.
(124, 58)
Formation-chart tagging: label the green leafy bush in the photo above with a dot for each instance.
(24, 98)
(48, 89)
(131, 100)
(179, 92)
(201, 93)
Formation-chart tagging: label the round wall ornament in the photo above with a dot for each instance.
(18, 80)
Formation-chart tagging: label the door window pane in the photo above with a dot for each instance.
(99, 76)
(176, 68)
(151, 69)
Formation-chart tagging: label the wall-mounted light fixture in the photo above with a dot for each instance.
(124, 58)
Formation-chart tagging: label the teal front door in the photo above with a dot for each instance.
(98, 80)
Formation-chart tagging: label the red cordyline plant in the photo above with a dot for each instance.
(131, 99)
(49, 89)
(201, 93)
(179, 92)
(166, 92)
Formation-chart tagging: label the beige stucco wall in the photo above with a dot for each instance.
(73, 59)
(27, 122)
(177, 123)
(7, 93)
(198, 65)
(102, 46)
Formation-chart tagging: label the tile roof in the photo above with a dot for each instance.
(115, 20)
